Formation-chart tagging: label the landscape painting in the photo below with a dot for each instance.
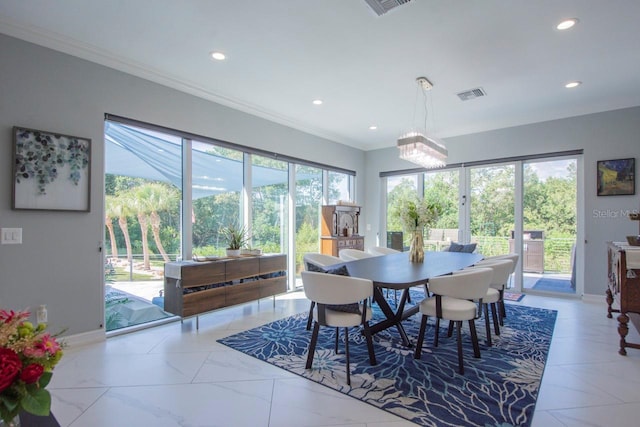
(616, 177)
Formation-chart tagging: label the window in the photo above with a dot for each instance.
(398, 187)
(308, 199)
(216, 188)
(225, 183)
(339, 187)
(269, 193)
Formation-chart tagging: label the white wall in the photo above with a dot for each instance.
(602, 136)
(58, 263)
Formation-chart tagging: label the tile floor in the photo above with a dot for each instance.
(175, 375)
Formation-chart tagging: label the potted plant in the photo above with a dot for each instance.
(236, 237)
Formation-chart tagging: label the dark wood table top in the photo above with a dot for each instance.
(395, 271)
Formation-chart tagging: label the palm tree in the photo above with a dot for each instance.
(139, 198)
(161, 197)
(110, 213)
(120, 208)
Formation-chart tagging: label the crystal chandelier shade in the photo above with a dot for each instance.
(420, 148)
(425, 151)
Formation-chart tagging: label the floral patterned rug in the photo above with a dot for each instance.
(499, 389)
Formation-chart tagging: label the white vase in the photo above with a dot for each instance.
(233, 252)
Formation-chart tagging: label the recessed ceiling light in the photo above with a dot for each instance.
(571, 85)
(219, 56)
(373, 127)
(317, 102)
(566, 24)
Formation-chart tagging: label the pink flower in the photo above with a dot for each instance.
(48, 344)
(35, 352)
(10, 316)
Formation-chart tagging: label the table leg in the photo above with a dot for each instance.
(392, 319)
(623, 330)
(609, 302)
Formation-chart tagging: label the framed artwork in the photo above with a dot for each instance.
(617, 177)
(50, 171)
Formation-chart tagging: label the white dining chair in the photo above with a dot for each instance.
(329, 292)
(501, 287)
(381, 250)
(353, 254)
(501, 271)
(452, 299)
(318, 260)
(321, 260)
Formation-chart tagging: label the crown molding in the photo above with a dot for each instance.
(91, 53)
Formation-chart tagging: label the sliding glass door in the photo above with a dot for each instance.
(549, 225)
(269, 194)
(526, 206)
(398, 187)
(491, 208)
(442, 187)
(308, 196)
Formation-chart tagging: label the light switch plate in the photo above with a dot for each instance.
(11, 236)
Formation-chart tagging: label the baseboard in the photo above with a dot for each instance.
(84, 338)
(594, 298)
(142, 326)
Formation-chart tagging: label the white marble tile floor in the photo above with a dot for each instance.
(175, 375)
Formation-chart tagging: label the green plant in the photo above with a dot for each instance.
(415, 214)
(235, 235)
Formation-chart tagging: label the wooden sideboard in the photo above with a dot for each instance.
(192, 288)
(624, 288)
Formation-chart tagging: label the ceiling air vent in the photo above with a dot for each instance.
(472, 94)
(383, 6)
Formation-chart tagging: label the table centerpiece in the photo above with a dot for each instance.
(417, 216)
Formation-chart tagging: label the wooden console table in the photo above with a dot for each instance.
(624, 284)
(192, 288)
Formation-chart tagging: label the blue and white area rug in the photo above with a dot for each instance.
(499, 389)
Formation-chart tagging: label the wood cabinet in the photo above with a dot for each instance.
(192, 288)
(624, 288)
(340, 220)
(333, 245)
(340, 228)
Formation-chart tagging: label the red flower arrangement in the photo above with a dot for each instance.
(27, 357)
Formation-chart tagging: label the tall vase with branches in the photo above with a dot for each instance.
(417, 217)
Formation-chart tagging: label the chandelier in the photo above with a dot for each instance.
(418, 147)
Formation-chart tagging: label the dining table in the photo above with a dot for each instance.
(396, 272)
